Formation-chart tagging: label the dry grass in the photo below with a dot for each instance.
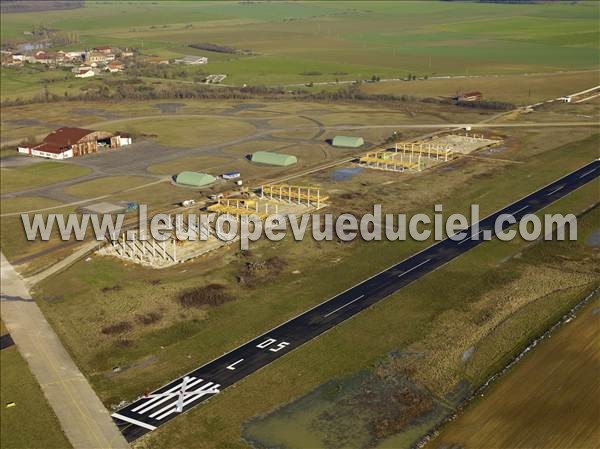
(549, 400)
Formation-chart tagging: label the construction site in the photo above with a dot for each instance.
(420, 155)
(284, 199)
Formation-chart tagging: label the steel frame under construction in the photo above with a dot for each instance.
(242, 208)
(430, 150)
(150, 251)
(385, 160)
(311, 196)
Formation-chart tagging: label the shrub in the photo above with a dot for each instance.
(209, 295)
(117, 328)
(148, 318)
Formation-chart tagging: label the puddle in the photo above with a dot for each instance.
(344, 174)
(494, 150)
(593, 239)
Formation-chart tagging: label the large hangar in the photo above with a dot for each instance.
(278, 159)
(65, 143)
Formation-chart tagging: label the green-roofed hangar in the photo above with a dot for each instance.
(347, 141)
(194, 179)
(279, 159)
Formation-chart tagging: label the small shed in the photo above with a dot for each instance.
(194, 179)
(279, 159)
(347, 141)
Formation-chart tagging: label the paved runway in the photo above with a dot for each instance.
(147, 413)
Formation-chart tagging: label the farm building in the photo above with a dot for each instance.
(194, 179)
(469, 96)
(347, 141)
(65, 143)
(192, 60)
(279, 159)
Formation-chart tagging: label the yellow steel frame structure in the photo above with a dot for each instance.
(386, 160)
(426, 149)
(308, 194)
(238, 208)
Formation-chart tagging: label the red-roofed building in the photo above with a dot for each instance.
(470, 96)
(66, 142)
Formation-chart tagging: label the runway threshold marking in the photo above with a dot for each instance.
(414, 268)
(347, 304)
(145, 405)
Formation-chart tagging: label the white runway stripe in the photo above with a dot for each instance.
(587, 173)
(166, 398)
(186, 402)
(347, 304)
(174, 403)
(143, 404)
(133, 421)
(414, 268)
(554, 191)
(516, 212)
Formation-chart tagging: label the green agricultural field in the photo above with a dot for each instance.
(38, 175)
(322, 41)
(516, 89)
(31, 423)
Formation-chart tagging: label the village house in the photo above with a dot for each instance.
(104, 49)
(95, 57)
(85, 73)
(115, 66)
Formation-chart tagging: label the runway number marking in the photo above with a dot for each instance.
(269, 341)
(232, 366)
(347, 304)
(414, 268)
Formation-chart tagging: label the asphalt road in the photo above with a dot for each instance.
(147, 413)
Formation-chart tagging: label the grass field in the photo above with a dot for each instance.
(104, 186)
(184, 332)
(190, 132)
(317, 41)
(31, 423)
(404, 323)
(38, 175)
(509, 88)
(548, 400)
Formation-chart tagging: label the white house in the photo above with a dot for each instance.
(85, 73)
(51, 153)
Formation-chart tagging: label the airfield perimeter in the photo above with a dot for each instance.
(147, 413)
